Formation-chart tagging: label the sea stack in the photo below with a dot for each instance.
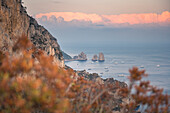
(101, 57)
(95, 58)
(82, 56)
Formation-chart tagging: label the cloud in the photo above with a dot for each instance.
(83, 19)
(139, 18)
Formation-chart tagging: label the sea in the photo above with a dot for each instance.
(155, 60)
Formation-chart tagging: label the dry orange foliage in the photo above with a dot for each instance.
(31, 83)
(150, 98)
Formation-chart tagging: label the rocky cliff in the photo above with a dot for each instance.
(15, 22)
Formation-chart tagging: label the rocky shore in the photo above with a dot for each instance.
(116, 99)
(96, 78)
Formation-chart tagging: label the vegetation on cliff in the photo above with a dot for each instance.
(30, 82)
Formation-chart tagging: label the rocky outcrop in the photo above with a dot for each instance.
(81, 57)
(101, 57)
(15, 22)
(116, 99)
(96, 78)
(95, 58)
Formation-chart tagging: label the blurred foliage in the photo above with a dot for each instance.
(30, 82)
(150, 98)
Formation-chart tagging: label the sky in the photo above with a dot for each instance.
(102, 7)
(109, 13)
(109, 22)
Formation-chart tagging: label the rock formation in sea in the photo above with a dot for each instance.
(101, 57)
(81, 57)
(95, 58)
(15, 22)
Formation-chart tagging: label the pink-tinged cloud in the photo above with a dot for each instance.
(69, 16)
(108, 20)
(139, 18)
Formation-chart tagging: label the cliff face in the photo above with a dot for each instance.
(15, 22)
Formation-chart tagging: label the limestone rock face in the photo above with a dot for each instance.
(95, 58)
(101, 57)
(15, 22)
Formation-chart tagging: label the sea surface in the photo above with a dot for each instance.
(118, 60)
